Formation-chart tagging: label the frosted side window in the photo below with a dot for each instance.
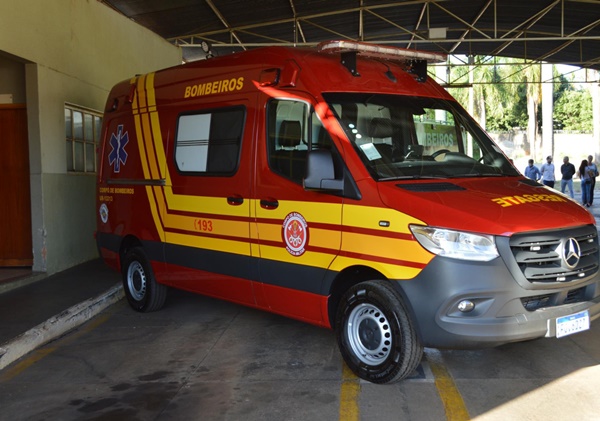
(192, 142)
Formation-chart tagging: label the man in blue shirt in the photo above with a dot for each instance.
(531, 171)
(548, 173)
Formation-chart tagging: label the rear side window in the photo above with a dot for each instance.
(209, 141)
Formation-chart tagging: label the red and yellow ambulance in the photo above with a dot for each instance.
(343, 187)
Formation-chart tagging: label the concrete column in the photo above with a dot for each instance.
(547, 112)
(38, 228)
(595, 91)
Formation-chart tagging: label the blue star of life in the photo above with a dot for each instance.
(118, 142)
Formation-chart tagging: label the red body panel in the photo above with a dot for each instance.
(223, 235)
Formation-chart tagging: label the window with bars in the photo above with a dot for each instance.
(82, 133)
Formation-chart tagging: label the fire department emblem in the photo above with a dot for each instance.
(295, 234)
(104, 213)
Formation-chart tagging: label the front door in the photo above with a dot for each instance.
(15, 201)
(298, 231)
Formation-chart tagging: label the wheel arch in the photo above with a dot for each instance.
(128, 242)
(344, 280)
(356, 274)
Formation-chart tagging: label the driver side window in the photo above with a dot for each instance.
(292, 131)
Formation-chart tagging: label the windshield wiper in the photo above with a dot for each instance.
(414, 177)
(479, 174)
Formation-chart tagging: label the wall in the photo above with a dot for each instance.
(68, 51)
(12, 80)
(576, 146)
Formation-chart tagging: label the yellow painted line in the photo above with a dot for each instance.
(39, 354)
(454, 405)
(350, 390)
(20, 367)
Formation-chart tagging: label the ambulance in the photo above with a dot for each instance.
(341, 186)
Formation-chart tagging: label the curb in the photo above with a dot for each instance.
(18, 282)
(57, 325)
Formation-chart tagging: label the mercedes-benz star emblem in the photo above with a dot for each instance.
(571, 253)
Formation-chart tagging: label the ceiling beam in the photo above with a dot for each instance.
(224, 22)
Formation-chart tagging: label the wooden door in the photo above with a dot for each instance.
(15, 202)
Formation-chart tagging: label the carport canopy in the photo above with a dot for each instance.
(554, 31)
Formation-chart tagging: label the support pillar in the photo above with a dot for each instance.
(547, 113)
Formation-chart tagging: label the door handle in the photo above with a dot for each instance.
(235, 200)
(269, 204)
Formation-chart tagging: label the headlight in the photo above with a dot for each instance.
(456, 244)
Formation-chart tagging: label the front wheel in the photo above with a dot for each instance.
(143, 293)
(375, 334)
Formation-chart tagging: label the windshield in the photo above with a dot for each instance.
(411, 137)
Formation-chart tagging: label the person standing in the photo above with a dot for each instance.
(532, 172)
(594, 168)
(548, 173)
(584, 174)
(568, 171)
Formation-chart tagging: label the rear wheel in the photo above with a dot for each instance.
(143, 293)
(375, 334)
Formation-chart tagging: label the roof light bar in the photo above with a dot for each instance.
(379, 51)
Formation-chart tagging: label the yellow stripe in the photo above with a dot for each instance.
(150, 97)
(389, 248)
(315, 212)
(150, 147)
(139, 118)
(369, 217)
(205, 204)
(160, 150)
(388, 270)
(23, 365)
(349, 392)
(141, 147)
(217, 226)
(327, 238)
(454, 406)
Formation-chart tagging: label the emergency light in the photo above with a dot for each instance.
(350, 49)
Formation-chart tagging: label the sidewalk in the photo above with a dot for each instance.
(48, 307)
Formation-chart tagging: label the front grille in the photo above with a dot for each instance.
(549, 300)
(540, 256)
(533, 303)
(575, 296)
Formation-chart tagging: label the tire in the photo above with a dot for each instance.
(375, 334)
(143, 293)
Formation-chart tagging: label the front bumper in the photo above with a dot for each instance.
(508, 307)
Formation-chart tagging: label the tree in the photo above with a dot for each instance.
(574, 111)
(507, 94)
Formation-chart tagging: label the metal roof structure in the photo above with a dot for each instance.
(555, 31)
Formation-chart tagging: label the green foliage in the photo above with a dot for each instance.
(501, 91)
(574, 110)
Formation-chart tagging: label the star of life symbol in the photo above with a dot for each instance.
(118, 141)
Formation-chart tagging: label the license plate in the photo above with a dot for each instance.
(572, 323)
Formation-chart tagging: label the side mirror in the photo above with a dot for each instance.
(320, 173)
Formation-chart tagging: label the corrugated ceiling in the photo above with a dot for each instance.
(558, 31)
